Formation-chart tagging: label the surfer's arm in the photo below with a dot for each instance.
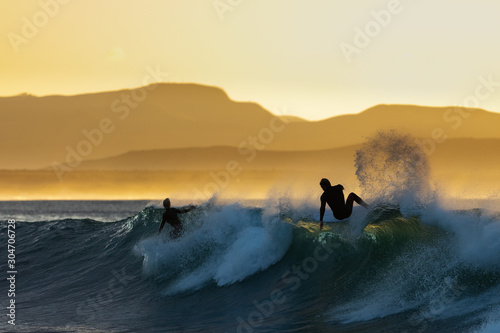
(162, 225)
(322, 213)
(185, 210)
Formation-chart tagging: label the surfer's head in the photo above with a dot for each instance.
(324, 183)
(166, 203)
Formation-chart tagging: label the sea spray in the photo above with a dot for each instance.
(393, 169)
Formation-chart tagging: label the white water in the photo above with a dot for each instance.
(225, 245)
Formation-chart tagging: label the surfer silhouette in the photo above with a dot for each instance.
(170, 216)
(334, 197)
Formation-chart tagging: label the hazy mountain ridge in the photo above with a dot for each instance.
(214, 158)
(453, 153)
(37, 131)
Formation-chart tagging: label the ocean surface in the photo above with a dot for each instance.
(99, 266)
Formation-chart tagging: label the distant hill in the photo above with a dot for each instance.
(449, 156)
(36, 131)
(216, 158)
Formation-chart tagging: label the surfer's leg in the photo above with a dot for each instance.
(353, 197)
(348, 205)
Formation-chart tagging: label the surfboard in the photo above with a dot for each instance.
(331, 219)
(313, 225)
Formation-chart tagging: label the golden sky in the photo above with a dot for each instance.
(316, 58)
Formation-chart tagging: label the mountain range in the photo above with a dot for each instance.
(37, 132)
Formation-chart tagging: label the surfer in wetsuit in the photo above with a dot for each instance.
(334, 197)
(170, 216)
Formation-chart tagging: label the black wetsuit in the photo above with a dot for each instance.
(170, 216)
(334, 197)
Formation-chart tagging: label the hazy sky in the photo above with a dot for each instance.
(316, 58)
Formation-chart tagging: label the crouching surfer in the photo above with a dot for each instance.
(334, 197)
(170, 216)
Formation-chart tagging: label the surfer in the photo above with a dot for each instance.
(334, 196)
(170, 216)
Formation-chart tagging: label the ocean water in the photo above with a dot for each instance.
(408, 264)
(247, 268)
